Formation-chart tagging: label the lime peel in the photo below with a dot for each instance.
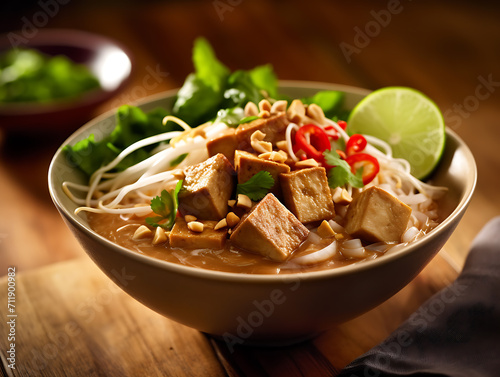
(408, 121)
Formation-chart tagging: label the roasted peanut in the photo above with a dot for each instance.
(265, 105)
(232, 219)
(341, 196)
(251, 109)
(325, 230)
(195, 226)
(244, 201)
(160, 236)
(315, 113)
(296, 112)
(279, 106)
(221, 224)
(142, 232)
(274, 156)
(264, 114)
(190, 218)
(309, 163)
(283, 145)
(257, 143)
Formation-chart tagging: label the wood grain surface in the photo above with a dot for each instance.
(71, 320)
(449, 50)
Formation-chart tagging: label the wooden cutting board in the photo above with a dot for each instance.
(71, 320)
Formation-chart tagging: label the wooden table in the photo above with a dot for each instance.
(450, 50)
(72, 320)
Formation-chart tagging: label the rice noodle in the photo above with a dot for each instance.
(358, 252)
(353, 248)
(337, 128)
(413, 199)
(288, 135)
(352, 244)
(313, 237)
(336, 227)
(318, 256)
(410, 234)
(378, 247)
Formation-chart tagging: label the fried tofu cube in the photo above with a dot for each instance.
(207, 187)
(225, 143)
(274, 127)
(307, 194)
(377, 216)
(182, 237)
(269, 229)
(248, 164)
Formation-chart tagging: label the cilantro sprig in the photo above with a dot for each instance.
(341, 173)
(165, 206)
(256, 187)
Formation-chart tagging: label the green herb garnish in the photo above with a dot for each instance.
(248, 119)
(132, 124)
(212, 87)
(165, 206)
(330, 101)
(27, 75)
(256, 187)
(341, 173)
(233, 117)
(176, 161)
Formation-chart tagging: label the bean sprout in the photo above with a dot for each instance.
(152, 174)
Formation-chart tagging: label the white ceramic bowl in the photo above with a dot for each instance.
(268, 309)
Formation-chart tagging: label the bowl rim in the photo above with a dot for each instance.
(201, 273)
(71, 38)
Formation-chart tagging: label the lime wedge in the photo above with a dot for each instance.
(406, 119)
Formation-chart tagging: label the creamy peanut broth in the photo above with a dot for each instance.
(229, 259)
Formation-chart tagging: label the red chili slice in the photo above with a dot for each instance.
(366, 161)
(331, 132)
(313, 140)
(355, 144)
(342, 124)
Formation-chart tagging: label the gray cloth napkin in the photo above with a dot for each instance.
(456, 332)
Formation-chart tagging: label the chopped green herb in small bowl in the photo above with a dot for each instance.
(28, 75)
(57, 79)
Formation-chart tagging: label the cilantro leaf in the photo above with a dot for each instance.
(165, 205)
(176, 161)
(212, 86)
(234, 116)
(207, 67)
(330, 101)
(202, 92)
(244, 86)
(196, 101)
(132, 124)
(256, 187)
(263, 77)
(341, 173)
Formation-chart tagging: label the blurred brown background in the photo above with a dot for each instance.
(450, 50)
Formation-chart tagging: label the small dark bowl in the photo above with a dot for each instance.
(107, 60)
